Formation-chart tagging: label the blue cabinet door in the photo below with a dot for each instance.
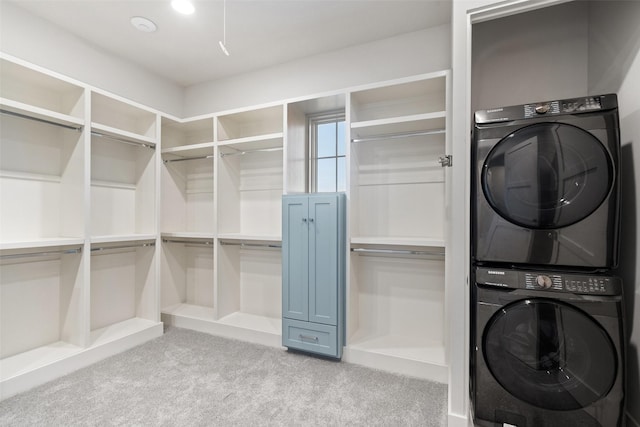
(295, 257)
(323, 259)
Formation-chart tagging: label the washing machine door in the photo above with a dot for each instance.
(549, 354)
(547, 175)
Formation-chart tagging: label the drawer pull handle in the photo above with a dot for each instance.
(308, 338)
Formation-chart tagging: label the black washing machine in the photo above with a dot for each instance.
(547, 349)
(545, 184)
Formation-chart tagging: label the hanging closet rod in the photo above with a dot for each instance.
(123, 140)
(108, 248)
(77, 128)
(42, 253)
(190, 242)
(242, 153)
(398, 252)
(252, 245)
(182, 159)
(398, 135)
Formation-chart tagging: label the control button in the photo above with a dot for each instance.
(542, 108)
(543, 281)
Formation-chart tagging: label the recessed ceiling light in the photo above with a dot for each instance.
(183, 6)
(143, 24)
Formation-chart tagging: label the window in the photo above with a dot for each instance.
(327, 163)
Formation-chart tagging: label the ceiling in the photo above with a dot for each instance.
(259, 33)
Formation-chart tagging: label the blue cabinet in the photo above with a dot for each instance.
(313, 272)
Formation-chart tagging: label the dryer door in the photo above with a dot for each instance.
(547, 175)
(549, 354)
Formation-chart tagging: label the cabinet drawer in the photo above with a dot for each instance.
(312, 337)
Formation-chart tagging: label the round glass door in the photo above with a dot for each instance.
(547, 175)
(549, 354)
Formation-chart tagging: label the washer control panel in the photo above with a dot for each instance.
(586, 284)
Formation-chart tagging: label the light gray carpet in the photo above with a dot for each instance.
(187, 378)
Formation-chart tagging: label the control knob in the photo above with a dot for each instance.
(543, 281)
(542, 108)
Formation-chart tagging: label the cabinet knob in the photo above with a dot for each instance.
(304, 219)
(310, 219)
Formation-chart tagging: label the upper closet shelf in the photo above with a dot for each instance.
(122, 238)
(251, 143)
(186, 235)
(188, 151)
(42, 115)
(50, 243)
(114, 134)
(399, 126)
(249, 238)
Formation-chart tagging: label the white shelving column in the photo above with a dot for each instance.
(397, 226)
(124, 283)
(250, 169)
(188, 222)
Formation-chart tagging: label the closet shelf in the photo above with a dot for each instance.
(190, 311)
(39, 114)
(187, 235)
(379, 128)
(249, 238)
(122, 330)
(394, 242)
(185, 151)
(250, 143)
(122, 238)
(122, 135)
(30, 361)
(50, 242)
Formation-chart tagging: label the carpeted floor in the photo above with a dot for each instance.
(187, 378)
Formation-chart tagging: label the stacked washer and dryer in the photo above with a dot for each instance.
(547, 338)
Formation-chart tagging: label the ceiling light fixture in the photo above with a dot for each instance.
(143, 24)
(183, 6)
(223, 44)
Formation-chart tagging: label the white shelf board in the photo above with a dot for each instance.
(40, 113)
(270, 325)
(190, 311)
(398, 241)
(193, 150)
(401, 124)
(247, 238)
(46, 242)
(123, 134)
(122, 238)
(120, 330)
(36, 358)
(188, 235)
(271, 140)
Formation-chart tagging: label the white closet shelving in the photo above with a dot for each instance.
(250, 174)
(397, 226)
(63, 305)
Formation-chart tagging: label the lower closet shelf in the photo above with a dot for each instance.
(35, 367)
(238, 325)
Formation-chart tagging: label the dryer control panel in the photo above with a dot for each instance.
(586, 284)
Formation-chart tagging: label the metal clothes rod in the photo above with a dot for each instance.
(250, 151)
(256, 245)
(398, 135)
(77, 128)
(108, 248)
(42, 253)
(397, 251)
(182, 159)
(123, 140)
(190, 242)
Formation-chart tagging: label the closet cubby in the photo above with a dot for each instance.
(119, 119)
(40, 95)
(249, 289)
(187, 278)
(123, 292)
(122, 188)
(396, 309)
(257, 128)
(41, 181)
(41, 320)
(249, 187)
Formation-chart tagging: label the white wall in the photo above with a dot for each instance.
(614, 66)
(535, 56)
(38, 41)
(400, 56)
